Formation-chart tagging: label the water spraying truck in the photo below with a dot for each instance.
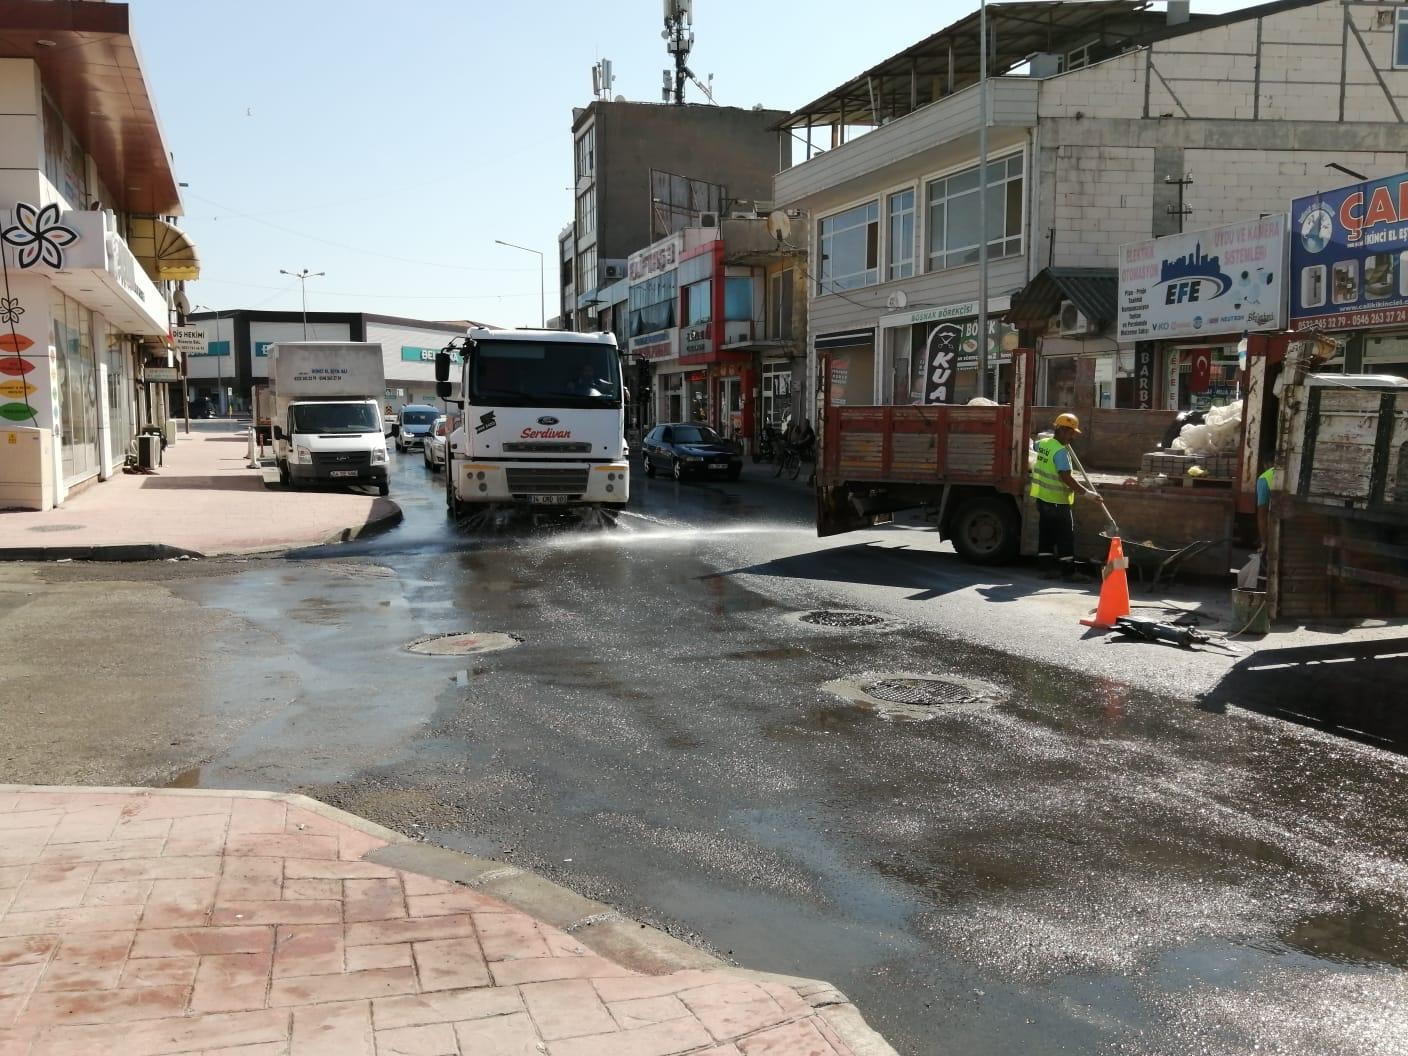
(543, 426)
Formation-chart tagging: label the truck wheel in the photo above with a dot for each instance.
(986, 530)
(383, 490)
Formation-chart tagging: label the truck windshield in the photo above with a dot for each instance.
(546, 374)
(336, 418)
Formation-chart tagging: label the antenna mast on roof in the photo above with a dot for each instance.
(679, 39)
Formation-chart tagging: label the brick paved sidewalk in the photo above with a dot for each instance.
(168, 922)
(204, 500)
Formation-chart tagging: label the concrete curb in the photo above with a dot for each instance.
(596, 925)
(164, 551)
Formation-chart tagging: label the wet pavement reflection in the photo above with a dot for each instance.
(1082, 866)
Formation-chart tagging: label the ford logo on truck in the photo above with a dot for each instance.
(547, 419)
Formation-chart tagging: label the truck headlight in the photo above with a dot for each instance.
(378, 456)
(302, 456)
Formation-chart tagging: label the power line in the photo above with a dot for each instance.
(343, 245)
(383, 293)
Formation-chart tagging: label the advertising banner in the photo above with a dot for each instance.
(1349, 256)
(1144, 366)
(941, 362)
(1224, 280)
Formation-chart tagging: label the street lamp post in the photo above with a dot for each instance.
(303, 277)
(542, 281)
(219, 373)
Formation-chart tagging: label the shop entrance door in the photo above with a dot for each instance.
(731, 407)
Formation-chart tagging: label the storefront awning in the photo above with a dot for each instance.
(166, 252)
(1093, 291)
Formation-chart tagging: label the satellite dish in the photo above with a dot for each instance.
(898, 299)
(779, 226)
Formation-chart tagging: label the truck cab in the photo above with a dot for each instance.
(543, 424)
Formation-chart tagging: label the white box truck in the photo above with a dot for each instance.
(327, 413)
(544, 423)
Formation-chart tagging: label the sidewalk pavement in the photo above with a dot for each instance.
(203, 501)
(141, 921)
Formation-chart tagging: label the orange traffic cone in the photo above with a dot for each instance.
(1114, 590)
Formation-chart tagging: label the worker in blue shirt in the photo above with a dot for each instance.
(1263, 504)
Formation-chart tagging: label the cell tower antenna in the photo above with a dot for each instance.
(679, 40)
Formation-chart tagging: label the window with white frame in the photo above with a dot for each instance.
(850, 249)
(953, 214)
(899, 253)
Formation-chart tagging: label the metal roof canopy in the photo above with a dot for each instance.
(1093, 290)
(89, 66)
(947, 61)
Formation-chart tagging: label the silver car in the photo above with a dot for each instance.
(434, 447)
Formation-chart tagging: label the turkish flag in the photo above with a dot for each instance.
(1200, 377)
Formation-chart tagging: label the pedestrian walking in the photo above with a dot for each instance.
(1055, 488)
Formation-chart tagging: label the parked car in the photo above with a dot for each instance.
(684, 448)
(413, 424)
(434, 446)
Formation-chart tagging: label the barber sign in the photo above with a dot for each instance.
(941, 363)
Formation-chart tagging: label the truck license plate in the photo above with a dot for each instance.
(550, 500)
(344, 473)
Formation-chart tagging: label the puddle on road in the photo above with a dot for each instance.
(1357, 934)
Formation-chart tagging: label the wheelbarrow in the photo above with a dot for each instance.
(1160, 562)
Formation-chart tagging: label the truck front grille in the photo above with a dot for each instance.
(546, 481)
(560, 447)
(342, 459)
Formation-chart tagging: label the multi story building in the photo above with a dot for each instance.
(91, 253)
(1107, 124)
(237, 344)
(643, 171)
(714, 311)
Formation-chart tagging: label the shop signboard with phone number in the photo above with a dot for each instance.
(1349, 256)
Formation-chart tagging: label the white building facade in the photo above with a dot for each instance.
(1104, 128)
(90, 253)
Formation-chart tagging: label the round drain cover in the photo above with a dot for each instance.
(463, 643)
(920, 692)
(841, 618)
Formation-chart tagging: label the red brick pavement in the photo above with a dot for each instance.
(162, 922)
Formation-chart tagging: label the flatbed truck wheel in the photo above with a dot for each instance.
(986, 530)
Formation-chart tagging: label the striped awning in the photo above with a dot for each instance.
(166, 252)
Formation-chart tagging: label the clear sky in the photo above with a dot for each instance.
(389, 144)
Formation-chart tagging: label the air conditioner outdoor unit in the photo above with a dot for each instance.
(1073, 321)
(614, 271)
(708, 219)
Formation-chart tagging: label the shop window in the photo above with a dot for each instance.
(850, 249)
(953, 236)
(1400, 40)
(899, 254)
(776, 392)
(1207, 377)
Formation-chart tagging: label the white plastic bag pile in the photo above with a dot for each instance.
(981, 401)
(1218, 435)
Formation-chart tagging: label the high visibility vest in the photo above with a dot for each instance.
(1047, 484)
(1267, 476)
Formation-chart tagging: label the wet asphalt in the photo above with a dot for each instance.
(1045, 863)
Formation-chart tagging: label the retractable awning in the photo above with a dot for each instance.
(166, 252)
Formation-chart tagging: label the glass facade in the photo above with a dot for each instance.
(76, 395)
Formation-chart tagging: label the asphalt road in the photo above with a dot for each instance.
(1048, 860)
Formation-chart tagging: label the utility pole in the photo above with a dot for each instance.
(983, 199)
(542, 282)
(303, 277)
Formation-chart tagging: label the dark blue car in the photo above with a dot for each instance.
(686, 449)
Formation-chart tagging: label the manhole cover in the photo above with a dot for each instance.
(914, 696)
(841, 618)
(57, 528)
(922, 692)
(463, 643)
